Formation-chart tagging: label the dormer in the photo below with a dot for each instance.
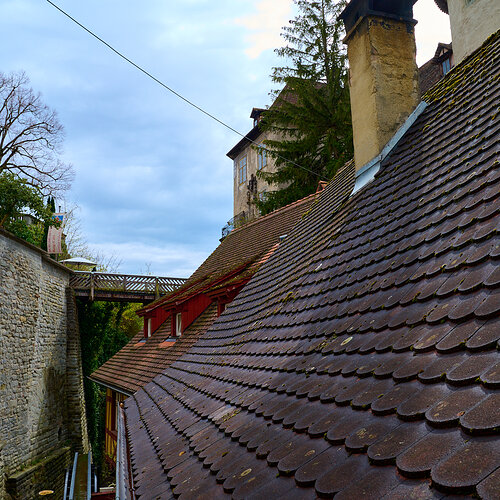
(444, 57)
(256, 115)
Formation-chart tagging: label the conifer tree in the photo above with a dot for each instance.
(51, 206)
(310, 120)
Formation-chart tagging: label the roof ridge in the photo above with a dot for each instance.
(277, 211)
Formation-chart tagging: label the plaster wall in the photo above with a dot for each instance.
(41, 385)
(240, 197)
(472, 22)
(384, 83)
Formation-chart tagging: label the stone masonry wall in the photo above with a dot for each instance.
(75, 395)
(44, 475)
(41, 386)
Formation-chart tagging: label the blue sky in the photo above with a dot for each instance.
(153, 183)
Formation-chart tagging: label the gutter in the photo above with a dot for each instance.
(109, 386)
(124, 483)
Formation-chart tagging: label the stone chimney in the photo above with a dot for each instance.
(383, 71)
(471, 23)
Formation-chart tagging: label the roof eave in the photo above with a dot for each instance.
(240, 146)
(443, 5)
(110, 386)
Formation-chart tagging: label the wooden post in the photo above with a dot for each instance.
(92, 286)
(157, 288)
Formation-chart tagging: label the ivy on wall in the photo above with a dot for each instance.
(103, 333)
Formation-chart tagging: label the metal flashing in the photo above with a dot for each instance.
(368, 171)
(89, 475)
(123, 490)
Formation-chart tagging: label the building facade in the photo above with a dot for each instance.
(249, 158)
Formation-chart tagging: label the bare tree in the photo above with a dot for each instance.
(77, 245)
(30, 136)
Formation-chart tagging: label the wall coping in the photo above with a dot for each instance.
(44, 461)
(44, 255)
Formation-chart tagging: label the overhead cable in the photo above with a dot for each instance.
(177, 94)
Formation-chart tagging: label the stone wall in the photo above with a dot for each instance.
(41, 386)
(44, 475)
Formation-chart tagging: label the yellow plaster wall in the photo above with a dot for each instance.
(240, 198)
(383, 82)
(472, 22)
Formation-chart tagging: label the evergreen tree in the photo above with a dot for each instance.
(310, 120)
(51, 208)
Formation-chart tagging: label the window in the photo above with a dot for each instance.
(221, 306)
(242, 170)
(178, 324)
(446, 64)
(149, 327)
(262, 196)
(261, 157)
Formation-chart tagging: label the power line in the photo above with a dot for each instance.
(159, 82)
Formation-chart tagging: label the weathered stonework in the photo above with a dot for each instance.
(44, 475)
(383, 82)
(41, 388)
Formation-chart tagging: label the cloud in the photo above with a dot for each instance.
(152, 177)
(265, 26)
(167, 260)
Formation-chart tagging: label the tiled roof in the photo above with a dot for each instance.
(242, 249)
(241, 252)
(361, 360)
(142, 359)
(429, 73)
(432, 71)
(136, 364)
(443, 5)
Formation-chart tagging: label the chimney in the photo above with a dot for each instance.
(383, 71)
(471, 23)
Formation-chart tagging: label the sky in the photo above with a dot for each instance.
(153, 185)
